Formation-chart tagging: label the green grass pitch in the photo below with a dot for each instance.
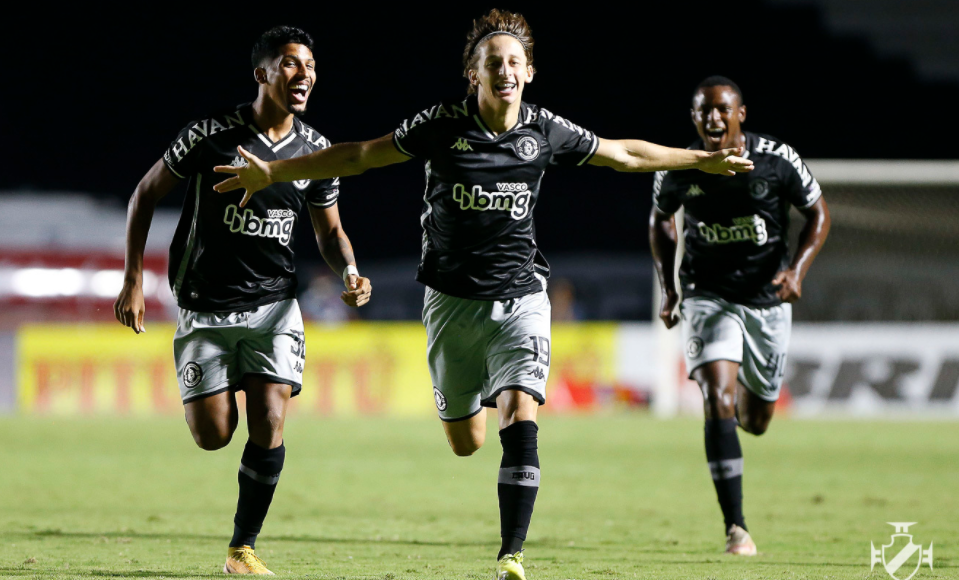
(623, 496)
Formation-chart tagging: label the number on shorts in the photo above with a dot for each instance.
(299, 344)
(540, 349)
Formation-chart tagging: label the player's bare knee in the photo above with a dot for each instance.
(754, 426)
(211, 439)
(465, 448)
(718, 401)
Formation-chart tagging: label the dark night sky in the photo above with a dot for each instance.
(96, 99)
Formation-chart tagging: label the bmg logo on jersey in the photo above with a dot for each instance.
(278, 224)
(749, 228)
(511, 197)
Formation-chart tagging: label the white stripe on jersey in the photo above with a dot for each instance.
(284, 142)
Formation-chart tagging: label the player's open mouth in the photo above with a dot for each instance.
(299, 92)
(505, 89)
(715, 135)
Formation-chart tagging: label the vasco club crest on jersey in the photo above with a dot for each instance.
(301, 184)
(900, 557)
(527, 148)
(759, 188)
(440, 399)
(192, 375)
(694, 347)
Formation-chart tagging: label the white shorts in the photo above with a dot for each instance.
(478, 348)
(756, 338)
(213, 352)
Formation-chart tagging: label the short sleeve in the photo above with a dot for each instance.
(570, 143)
(182, 156)
(666, 195)
(415, 136)
(801, 188)
(323, 193)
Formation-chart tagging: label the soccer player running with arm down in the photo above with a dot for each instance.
(486, 312)
(231, 270)
(737, 279)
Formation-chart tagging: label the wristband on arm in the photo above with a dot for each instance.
(350, 270)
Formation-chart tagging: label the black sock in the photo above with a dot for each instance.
(518, 484)
(725, 458)
(259, 473)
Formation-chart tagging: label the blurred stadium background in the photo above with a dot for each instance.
(863, 91)
(97, 461)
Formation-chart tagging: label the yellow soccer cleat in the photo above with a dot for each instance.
(739, 542)
(510, 567)
(242, 560)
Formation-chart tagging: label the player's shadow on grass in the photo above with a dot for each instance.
(41, 572)
(216, 538)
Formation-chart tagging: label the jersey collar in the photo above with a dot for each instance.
(473, 107)
(275, 146)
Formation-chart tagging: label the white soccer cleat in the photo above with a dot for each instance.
(739, 542)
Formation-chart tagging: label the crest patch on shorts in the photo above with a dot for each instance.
(694, 347)
(527, 148)
(192, 374)
(440, 399)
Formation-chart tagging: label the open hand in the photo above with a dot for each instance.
(667, 310)
(725, 162)
(252, 177)
(357, 291)
(790, 286)
(129, 308)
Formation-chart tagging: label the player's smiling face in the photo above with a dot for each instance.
(501, 70)
(289, 78)
(718, 114)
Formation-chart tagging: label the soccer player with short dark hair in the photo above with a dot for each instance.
(737, 279)
(231, 271)
(486, 312)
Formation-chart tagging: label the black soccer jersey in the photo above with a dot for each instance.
(736, 227)
(479, 241)
(225, 258)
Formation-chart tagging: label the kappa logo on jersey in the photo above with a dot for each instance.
(301, 184)
(278, 224)
(511, 197)
(461, 145)
(694, 191)
(527, 148)
(745, 229)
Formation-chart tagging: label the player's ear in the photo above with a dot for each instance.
(742, 113)
(473, 78)
(529, 73)
(259, 74)
(692, 117)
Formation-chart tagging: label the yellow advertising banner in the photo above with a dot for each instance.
(351, 369)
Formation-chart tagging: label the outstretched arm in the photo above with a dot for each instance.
(338, 253)
(633, 155)
(663, 242)
(811, 239)
(159, 181)
(340, 160)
